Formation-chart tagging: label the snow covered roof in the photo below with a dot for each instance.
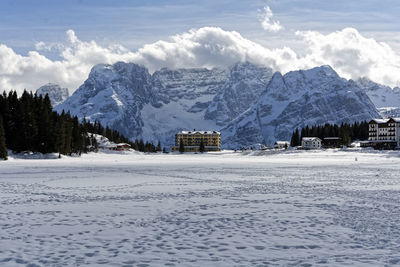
(282, 142)
(123, 144)
(379, 120)
(199, 132)
(311, 139)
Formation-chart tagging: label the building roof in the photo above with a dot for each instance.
(378, 121)
(282, 142)
(332, 138)
(199, 132)
(123, 144)
(310, 139)
(395, 119)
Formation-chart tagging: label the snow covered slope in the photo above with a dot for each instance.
(292, 208)
(56, 94)
(380, 95)
(299, 98)
(385, 98)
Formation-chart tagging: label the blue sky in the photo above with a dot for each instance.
(59, 41)
(137, 22)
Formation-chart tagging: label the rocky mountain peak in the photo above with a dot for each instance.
(297, 99)
(56, 94)
(244, 101)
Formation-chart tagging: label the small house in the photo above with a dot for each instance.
(281, 144)
(332, 142)
(123, 147)
(311, 143)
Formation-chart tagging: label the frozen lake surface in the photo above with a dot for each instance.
(329, 208)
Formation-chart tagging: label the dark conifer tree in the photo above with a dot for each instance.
(158, 147)
(202, 148)
(3, 148)
(141, 145)
(181, 146)
(295, 140)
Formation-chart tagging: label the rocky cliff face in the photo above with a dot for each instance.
(245, 84)
(297, 99)
(56, 94)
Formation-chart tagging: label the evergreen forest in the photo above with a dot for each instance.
(28, 123)
(347, 132)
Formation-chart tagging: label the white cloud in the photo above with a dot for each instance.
(211, 47)
(347, 51)
(352, 55)
(205, 47)
(29, 72)
(267, 22)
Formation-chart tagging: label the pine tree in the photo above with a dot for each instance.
(158, 147)
(3, 149)
(141, 145)
(181, 146)
(295, 138)
(202, 148)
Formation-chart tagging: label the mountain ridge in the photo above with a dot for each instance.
(126, 97)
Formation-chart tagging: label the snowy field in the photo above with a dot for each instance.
(328, 208)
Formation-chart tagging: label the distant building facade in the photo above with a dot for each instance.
(192, 140)
(311, 143)
(332, 142)
(383, 134)
(118, 147)
(281, 144)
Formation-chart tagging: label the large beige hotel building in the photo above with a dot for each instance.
(192, 140)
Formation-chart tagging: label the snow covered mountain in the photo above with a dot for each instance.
(245, 84)
(154, 107)
(380, 95)
(56, 94)
(127, 98)
(114, 95)
(385, 98)
(244, 101)
(299, 98)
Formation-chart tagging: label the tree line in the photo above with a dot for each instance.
(116, 137)
(28, 123)
(347, 132)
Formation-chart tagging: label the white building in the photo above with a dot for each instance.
(384, 133)
(281, 144)
(311, 142)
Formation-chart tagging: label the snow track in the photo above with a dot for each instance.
(300, 208)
